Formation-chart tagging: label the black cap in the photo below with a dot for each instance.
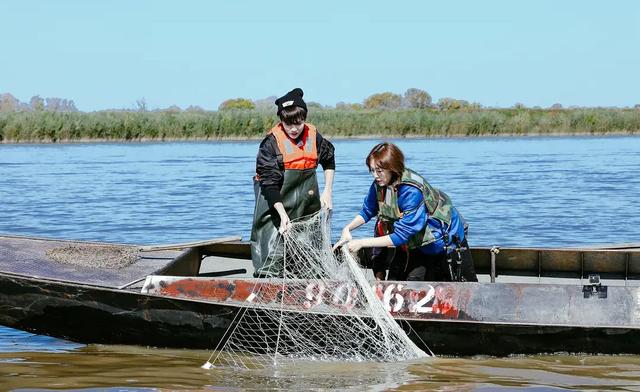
(292, 98)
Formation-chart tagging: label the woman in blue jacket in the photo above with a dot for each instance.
(419, 234)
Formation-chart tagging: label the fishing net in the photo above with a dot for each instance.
(322, 308)
(102, 256)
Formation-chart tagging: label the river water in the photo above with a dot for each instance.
(530, 191)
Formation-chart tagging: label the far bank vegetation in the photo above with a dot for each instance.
(386, 114)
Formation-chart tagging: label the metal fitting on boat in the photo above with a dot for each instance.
(494, 251)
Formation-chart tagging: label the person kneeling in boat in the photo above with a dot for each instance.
(285, 184)
(419, 234)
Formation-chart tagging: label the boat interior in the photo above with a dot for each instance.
(125, 266)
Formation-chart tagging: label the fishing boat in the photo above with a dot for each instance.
(528, 300)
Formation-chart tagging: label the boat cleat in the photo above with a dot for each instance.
(594, 287)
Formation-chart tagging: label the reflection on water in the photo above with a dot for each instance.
(564, 191)
(12, 340)
(120, 367)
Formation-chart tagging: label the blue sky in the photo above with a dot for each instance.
(109, 54)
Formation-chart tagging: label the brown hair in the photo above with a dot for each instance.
(387, 156)
(293, 115)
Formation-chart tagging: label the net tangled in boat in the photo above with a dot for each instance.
(322, 308)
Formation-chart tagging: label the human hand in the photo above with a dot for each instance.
(326, 200)
(344, 238)
(354, 245)
(285, 224)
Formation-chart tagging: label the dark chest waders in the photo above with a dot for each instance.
(300, 198)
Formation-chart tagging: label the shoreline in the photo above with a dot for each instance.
(331, 137)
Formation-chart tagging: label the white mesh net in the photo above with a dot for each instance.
(322, 309)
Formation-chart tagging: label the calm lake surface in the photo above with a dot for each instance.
(552, 191)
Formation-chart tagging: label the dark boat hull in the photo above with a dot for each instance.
(90, 314)
(98, 304)
(501, 340)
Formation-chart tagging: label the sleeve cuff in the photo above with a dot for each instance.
(329, 166)
(366, 218)
(272, 194)
(397, 241)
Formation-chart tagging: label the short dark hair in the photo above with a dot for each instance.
(293, 115)
(388, 157)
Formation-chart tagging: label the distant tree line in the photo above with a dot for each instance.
(386, 114)
(413, 98)
(8, 103)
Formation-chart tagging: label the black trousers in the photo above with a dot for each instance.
(414, 265)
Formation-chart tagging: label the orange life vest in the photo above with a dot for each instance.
(294, 156)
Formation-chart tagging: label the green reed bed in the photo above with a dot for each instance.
(46, 126)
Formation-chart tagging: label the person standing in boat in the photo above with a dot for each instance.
(419, 234)
(285, 184)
